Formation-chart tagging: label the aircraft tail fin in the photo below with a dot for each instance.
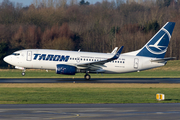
(158, 44)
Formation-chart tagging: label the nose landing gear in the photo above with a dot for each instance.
(23, 72)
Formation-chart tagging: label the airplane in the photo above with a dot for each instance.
(151, 55)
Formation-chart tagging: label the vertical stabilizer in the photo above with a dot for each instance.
(158, 44)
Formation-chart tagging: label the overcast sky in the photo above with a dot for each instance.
(28, 2)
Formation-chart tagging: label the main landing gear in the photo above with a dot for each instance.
(87, 77)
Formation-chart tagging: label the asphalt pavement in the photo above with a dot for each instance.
(93, 80)
(160, 111)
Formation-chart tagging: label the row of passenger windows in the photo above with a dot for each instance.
(84, 59)
(94, 60)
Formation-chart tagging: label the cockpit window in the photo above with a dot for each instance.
(16, 54)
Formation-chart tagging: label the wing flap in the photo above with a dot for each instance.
(99, 64)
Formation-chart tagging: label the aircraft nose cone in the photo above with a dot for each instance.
(6, 59)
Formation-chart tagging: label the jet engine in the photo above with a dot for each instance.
(65, 69)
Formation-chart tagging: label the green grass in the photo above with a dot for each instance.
(86, 95)
(52, 74)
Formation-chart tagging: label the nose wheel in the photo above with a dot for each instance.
(87, 77)
(23, 73)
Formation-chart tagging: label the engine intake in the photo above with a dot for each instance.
(65, 69)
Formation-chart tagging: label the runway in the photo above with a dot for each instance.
(91, 111)
(163, 111)
(93, 80)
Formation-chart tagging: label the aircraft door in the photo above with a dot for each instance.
(136, 63)
(29, 55)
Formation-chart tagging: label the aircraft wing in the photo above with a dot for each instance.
(98, 64)
(162, 59)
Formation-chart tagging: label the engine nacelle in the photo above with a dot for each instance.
(65, 69)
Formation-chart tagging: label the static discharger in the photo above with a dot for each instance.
(160, 96)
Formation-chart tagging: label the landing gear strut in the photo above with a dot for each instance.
(23, 72)
(87, 77)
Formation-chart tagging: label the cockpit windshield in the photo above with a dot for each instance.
(16, 54)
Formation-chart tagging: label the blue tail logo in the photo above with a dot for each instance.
(158, 44)
(158, 47)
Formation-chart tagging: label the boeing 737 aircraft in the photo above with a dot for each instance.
(149, 56)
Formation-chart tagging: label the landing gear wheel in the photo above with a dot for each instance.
(87, 77)
(23, 73)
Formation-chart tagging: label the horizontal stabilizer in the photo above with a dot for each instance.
(163, 59)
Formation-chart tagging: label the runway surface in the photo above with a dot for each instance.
(93, 80)
(91, 111)
(163, 111)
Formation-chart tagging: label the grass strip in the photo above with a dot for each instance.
(87, 93)
(52, 74)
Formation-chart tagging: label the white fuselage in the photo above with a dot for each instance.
(48, 59)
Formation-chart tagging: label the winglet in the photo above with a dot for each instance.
(116, 56)
(114, 51)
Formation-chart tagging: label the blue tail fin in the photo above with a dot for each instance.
(158, 44)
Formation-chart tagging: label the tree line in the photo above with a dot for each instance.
(73, 25)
